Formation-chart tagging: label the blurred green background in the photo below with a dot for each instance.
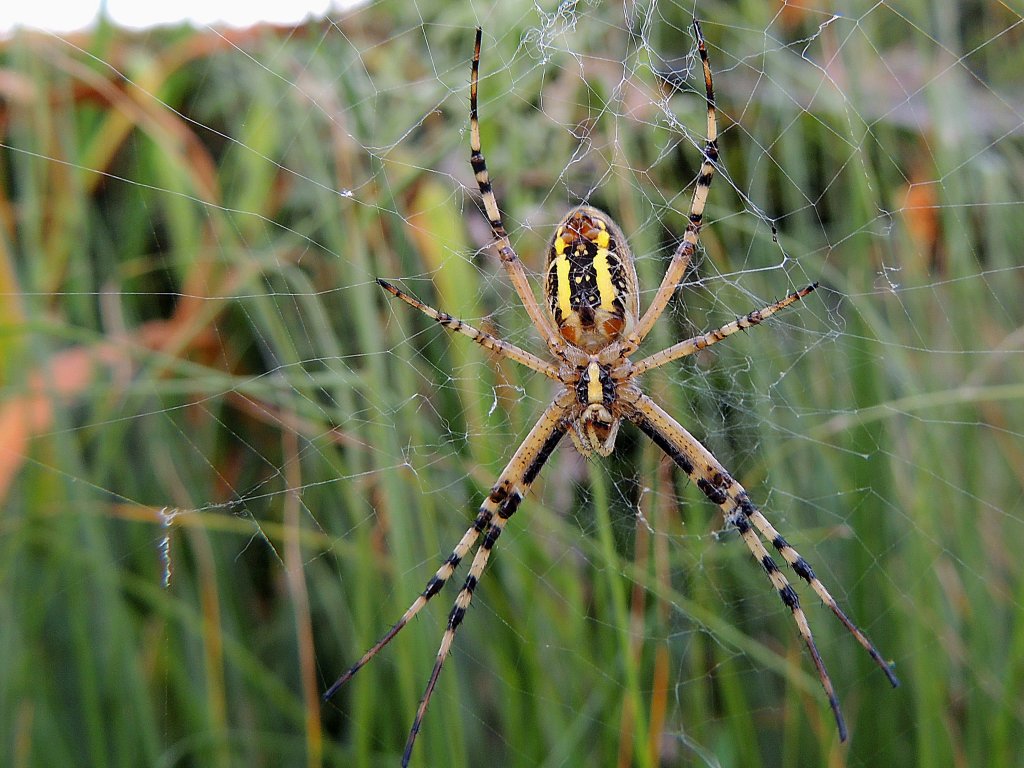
(228, 462)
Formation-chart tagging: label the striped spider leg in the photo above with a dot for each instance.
(501, 503)
(740, 512)
(591, 323)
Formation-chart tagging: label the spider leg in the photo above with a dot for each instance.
(704, 340)
(513, 265)
(437, 581)
(484, 339)
(684, 253)
(504, 499)
(716, 483)
(500, 504)
(804, 571)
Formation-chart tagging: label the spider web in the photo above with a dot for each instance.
(232, 462)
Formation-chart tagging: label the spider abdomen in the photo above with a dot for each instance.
(591, 285)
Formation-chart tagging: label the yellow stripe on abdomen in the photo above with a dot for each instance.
(603, 272)
(562, 267)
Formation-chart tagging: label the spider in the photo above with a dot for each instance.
(592, 327)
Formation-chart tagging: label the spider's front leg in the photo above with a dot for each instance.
(719, 486)
(501, 503)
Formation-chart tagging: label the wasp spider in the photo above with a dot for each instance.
(592, 326)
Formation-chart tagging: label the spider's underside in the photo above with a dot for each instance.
(591, 327)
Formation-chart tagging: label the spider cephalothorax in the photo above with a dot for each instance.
(592, 327)
(596, 414)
